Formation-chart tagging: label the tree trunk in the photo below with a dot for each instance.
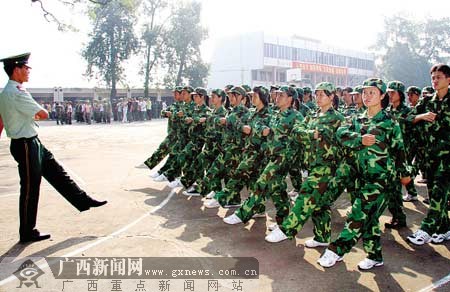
(113, 68)
(147, 72)
(180, 69)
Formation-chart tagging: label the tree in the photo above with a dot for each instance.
(51, 17)
(112, 41)
(153, 37)
(407, 48)
(183, 42)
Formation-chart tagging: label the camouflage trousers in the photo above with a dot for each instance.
(295, 171)
(395, 201)
(246, 174)
(437, 219)
(203, 160)
(363, 220)
(186, 160)
(172, 168)
(163, 150)
(222, 168)
(270, 184)
(312, 202)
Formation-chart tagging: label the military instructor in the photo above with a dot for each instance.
(19, 110)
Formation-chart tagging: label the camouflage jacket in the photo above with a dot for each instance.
(236, 118)
(279, 141)
(213, 131)
(196, 129)
(187, 109)
(173, 122)
(325, 150)
(435, 135)
(258, 121)
(386, 158)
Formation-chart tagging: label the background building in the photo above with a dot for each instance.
(261, 59)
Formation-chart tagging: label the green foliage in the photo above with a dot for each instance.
(406, 49)
(112, 41)
(183, 46)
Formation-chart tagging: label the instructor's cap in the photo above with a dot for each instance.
(16, 61)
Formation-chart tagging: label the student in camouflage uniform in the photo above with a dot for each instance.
(196, 121)
(166, 145)
(253, 158)
(297, 165)
(323, 157)
(378, 144)
(226, 162)
(271, 183)
(434, 114)
(172, 168)
(308, 99)
(399, 111)
(213, 140)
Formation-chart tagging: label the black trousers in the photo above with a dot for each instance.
(34, 162)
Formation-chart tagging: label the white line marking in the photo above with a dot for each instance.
(436, 284)
(44, 263)
(75, 176)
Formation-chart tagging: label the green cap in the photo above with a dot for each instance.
(307, 89)
(414, 89)
(246, 88)
(428, 90)
(239, 90)
(300, 91)
(375, 82)
(200, 91)
(16, 61)
(178, 88)
(289, 90)
(189, 89)
(274, 87)
(325, 86)
(229, 87)
(263, 89)
(396, 86)
(219, 92)
(357, 89)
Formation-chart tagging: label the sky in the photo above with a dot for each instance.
(56, 57)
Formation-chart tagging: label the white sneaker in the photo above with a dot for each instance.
(259, 215)
(232, 206)
(232, 219)
(276, 236)
(439, 238)
(419, 237)
(192, 193)
(273, 227)
(329, 259)
(191, 188)
(368, 264)
(211, 195)
(155, 174)
(313, 243)
(409, 198)
(211, 204)
(162, 177)
(175, 183)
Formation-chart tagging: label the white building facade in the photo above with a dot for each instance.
(261, 59)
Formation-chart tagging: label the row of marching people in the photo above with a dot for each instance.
(369, 147)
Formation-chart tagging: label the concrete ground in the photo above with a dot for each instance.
(145, 219)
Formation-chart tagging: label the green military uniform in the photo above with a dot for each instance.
(271, 183)
(378, 166)
(226, 162)
(166, 146)
(436, 138)
(253, 158)
(322, 157)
